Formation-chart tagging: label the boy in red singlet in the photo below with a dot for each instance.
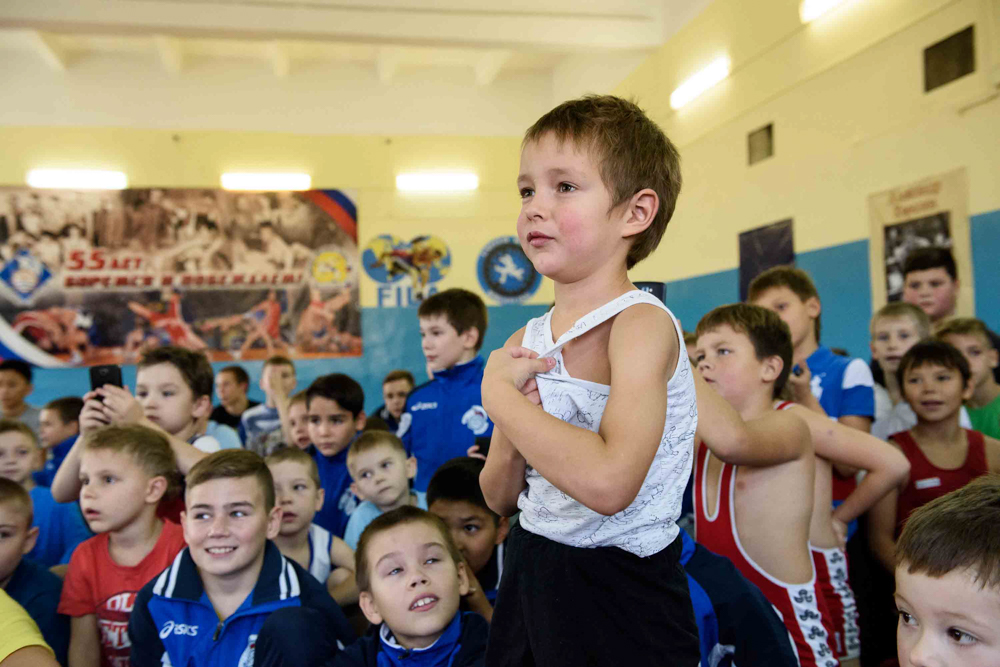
(943, 456)
(744, 353)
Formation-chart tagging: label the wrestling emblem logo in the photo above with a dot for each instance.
(505, 273)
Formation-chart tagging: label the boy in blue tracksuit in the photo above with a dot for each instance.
(207, 608)
(445, 416)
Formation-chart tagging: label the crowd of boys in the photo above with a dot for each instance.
(526, 509)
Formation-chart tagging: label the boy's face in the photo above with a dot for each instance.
(394, 393)
(13, 390)
(18, 456)
(279, 376)
(443, 346)
(933, 290)
(381, 475)
(947, 621)
(17, 538)
(892, 338)
(728, 363)
(475, 531)
(799, 315)
(935, 392)
(166, 398)
(115, 489)
(52, 429)
(416, 586)
(296, 494)
(298, 418)
(331, 427)
(226, 526)
(228, 389)
(979, 353)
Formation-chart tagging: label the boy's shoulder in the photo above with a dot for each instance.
(32, 581)
(471, 652)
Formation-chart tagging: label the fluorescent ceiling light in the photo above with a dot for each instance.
(437, 182)
(699, 82)
(266, 182)
(77, 179)
(810, 10)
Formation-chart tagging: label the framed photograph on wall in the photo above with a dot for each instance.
(763, 248)
(932, 212)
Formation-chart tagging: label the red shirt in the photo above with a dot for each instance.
(96, 584)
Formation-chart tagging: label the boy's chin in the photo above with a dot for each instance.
(330, 450)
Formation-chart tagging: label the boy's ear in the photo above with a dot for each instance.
(640, 211)
(968, 391)
(993, 357)
(360, 421)
(463, 579)
(813, 307)
(29, 542)
(321, 497)
(770, 368)
(355, 490)
(503, 527)
(871, 347)
(469, 338)
(274, 522)
(369, 608)
(202, 406)
(155, 489)
(411, 467)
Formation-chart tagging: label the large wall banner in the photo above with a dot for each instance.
(97, 277)
(932, 212)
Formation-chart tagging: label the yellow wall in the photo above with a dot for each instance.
(846, 98)
(367, 166)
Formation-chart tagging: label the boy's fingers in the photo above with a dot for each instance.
(522, 353)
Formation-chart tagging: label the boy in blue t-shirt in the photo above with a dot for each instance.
(445, 416)
(58, 429)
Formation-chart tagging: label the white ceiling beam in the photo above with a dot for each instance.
(49, 50)
(281, 61)
(386, 64)
(489, 66)
(171, 53)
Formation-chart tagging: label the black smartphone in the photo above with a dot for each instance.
(483, 442)
(102, 375)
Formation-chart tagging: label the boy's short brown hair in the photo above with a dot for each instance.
(397, 517)
(14, 426)
(368, 441)
(767, 332)
(901, 309)
(68, 408)
(299, 397)
(632, 151)
(794, 279)
(233, 464)
(193, 366)
(149, 449)
(298, 456)
(14, 494)
(278, 360)
(958, 531)
(401, 374)
(933, 352)
(463, 310)
(965, 326)
(238, 374)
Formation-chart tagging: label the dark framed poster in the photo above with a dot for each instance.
(763, 248)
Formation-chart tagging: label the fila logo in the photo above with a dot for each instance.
(424, 406)
(178, 629)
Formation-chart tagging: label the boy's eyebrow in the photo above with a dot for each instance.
(238, 503)
(554, 171)
(396, 553)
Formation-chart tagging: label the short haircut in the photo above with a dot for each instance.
(369, 440)
(632, 153)
(457, 480)
(965, 326)
(767, 332)
(149, 449)
(958, 531)
(14, 426)
(925, 259)
(296, 455)
(794, 279)
(400, 374)
(935, 352)
(238, 374)
(389, 520)
(343, 389)
(463, 310)
(233, 464)
(13, 493)
(22, 368)
(193, 367)
(901, 309)
(298, 397)
(690, 338)
(69, 408)
(278, 360)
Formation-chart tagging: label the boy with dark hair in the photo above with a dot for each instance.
(231, 386)
(261, 426)
(60, 527)
(26, 581)
(454, 495)
(948, 580)
(396, 386)
(125, 472)
(335, 405)
(59, 427)
(15, 385)
(971, 337)
(444, 417)
(207, 607)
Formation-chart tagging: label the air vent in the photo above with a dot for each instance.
(950, 59)
(760, 144)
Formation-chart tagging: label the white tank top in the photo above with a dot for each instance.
(648, 525)
(319, 552)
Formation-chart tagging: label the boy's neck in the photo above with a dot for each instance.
(227, 593)
(985, 393)
(28, 483)
(294, 541)
(574, 300)
(16, 411)
(892, 386)
(805, 348)
(466, 357)
(130, 544)
(943, 432)
(405, 500)
(238, 406)
(757, 404)
(187, 432)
